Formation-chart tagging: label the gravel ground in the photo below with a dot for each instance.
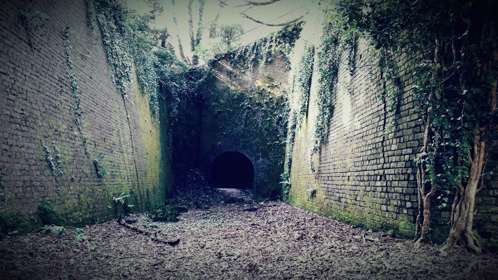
(240, 240)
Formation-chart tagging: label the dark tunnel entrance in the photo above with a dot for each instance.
(232, 170)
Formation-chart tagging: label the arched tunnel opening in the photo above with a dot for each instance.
(231, 170)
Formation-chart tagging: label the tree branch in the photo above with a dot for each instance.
(272, 24)
(255, 3)
(191, 26)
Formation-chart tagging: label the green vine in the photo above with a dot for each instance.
(304, 79)
(449, 48)
(328, 67)
(121, 206)
(68, 48)
(264, 50)
(128, 41)
(54, 160)
(110, 18)
(99, 166)
(141, 44)
(285, 181)
(68, 52)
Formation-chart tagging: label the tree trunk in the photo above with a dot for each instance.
(463, 209)
(425, 193)
(462, 217)
(426, 190)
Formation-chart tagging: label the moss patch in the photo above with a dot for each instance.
(368, 216)
(156, 173)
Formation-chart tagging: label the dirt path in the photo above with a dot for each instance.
(268, 240)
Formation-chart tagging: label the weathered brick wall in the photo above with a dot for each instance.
(50, 135)
(365, 173)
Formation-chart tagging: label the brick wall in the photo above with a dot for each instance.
(365, 173)
(50, 149)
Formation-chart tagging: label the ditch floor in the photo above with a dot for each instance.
(232, 237)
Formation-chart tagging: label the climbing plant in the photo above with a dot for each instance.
(75, 91)
(179, 83)
(285, 181)
(264, 50)
(141, 44)
(328, 67)
(110, 19)
(338, 37)
(128, 41)
(451, 49)
(54, 160)
(304, 78)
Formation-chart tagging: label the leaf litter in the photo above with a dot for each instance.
(225, 235)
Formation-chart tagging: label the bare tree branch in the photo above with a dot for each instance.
(198, 36)
(191, 26)
(180, 48)
(272, 24)
(255, 3)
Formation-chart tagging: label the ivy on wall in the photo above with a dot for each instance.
(261, 101)
(451, 50)
(181, 84)
(304, 79)
(285, 181)
(141, 45)
(54, 160)
(263, 51)
(75, 92)
(99, 167)
(328, 67)
(111, 21)
(68, 48)
(128, 40)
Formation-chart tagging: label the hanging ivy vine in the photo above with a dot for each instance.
(304, 79)
(328, 67)
(264, 50)
(128, 40)
(285, 181)
(54, 160)
(451, 49)
(110, 18)
(75, 93)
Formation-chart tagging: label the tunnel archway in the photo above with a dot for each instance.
(231, 170)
